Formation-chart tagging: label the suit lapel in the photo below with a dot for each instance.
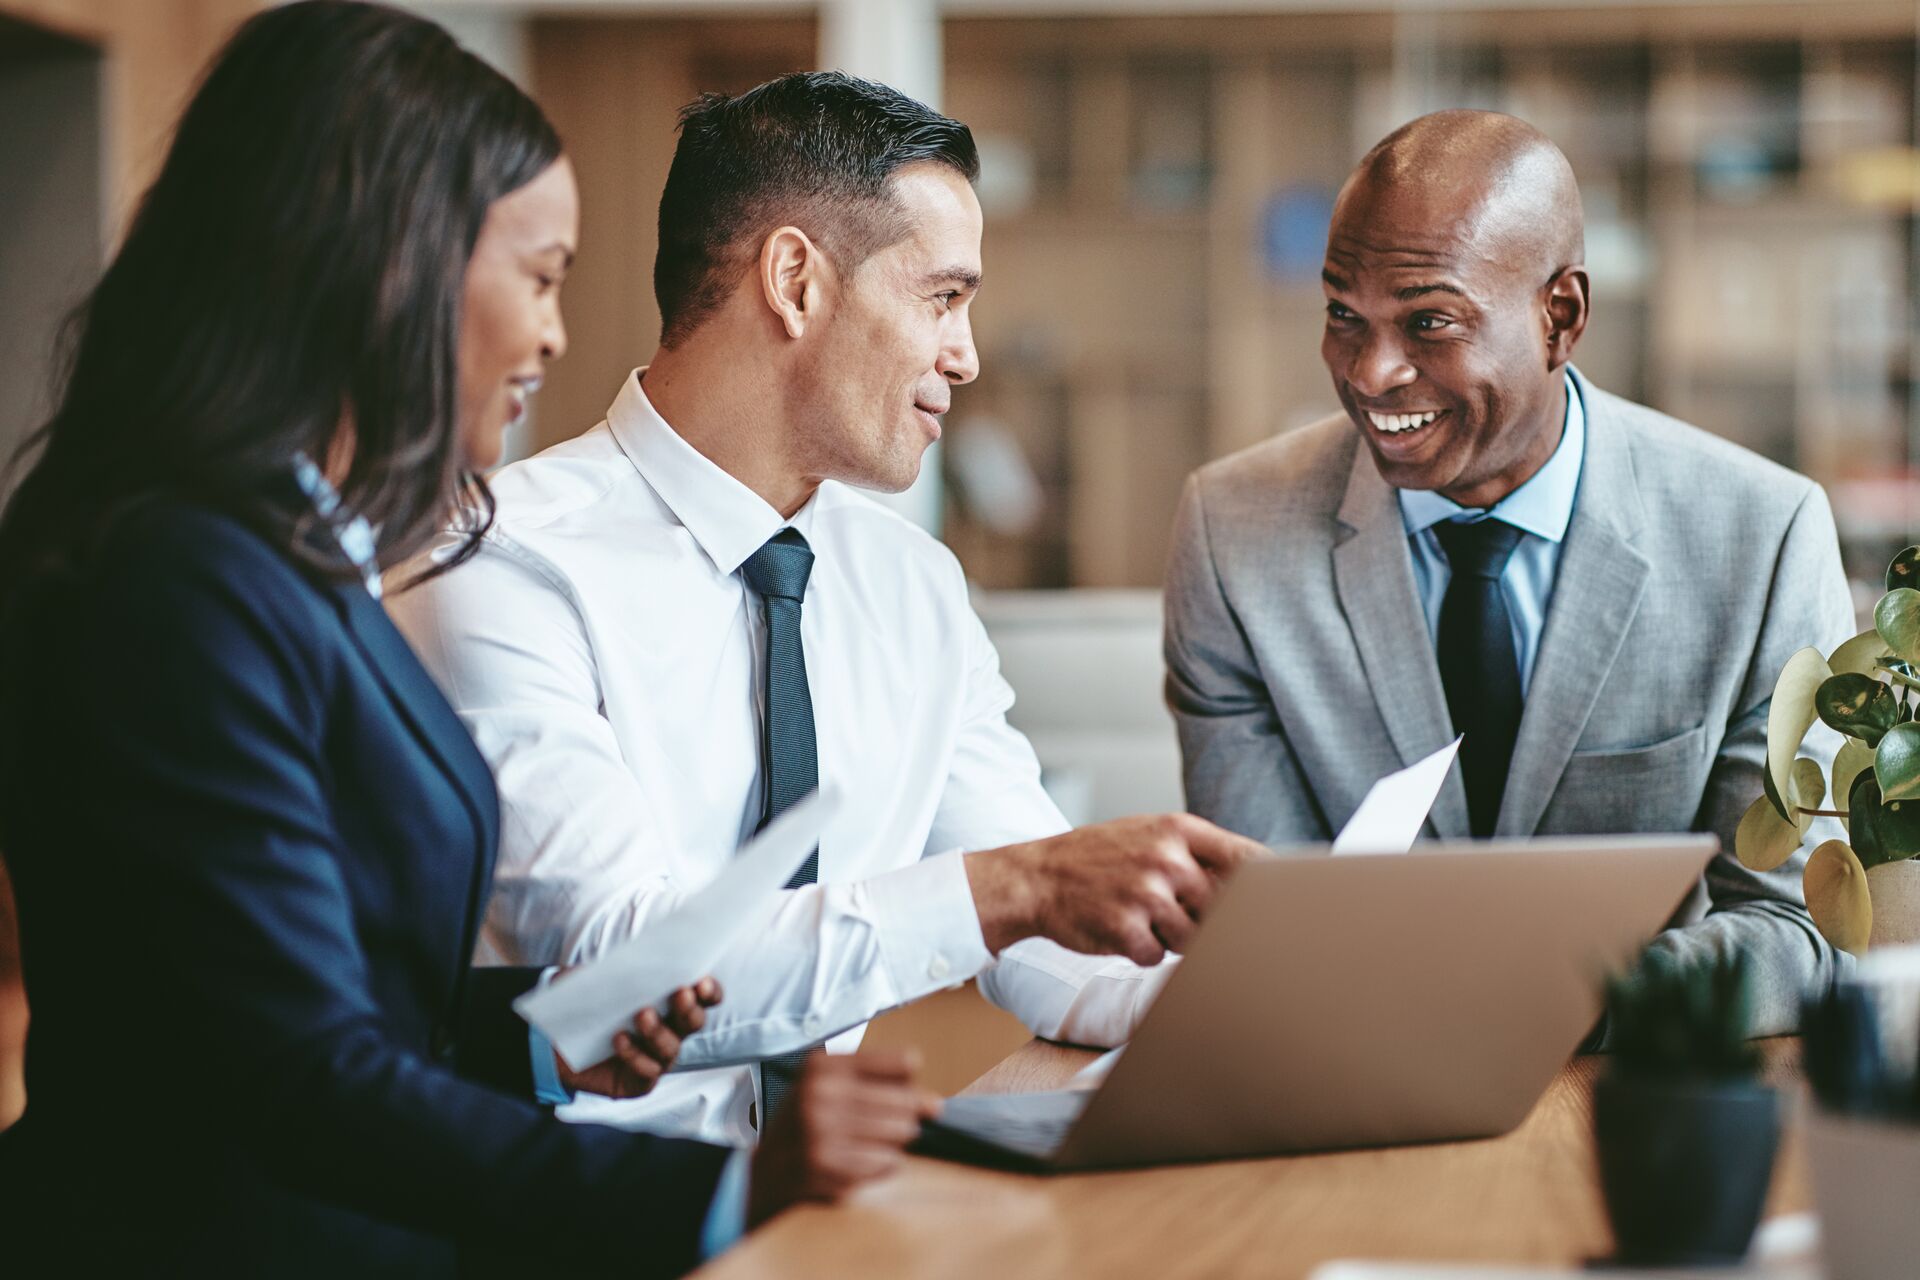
(1373, 572)
(1597, 589)
(424, 709)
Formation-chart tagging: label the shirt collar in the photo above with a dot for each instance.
(350, 530)
(728, 520)
(1543, 506)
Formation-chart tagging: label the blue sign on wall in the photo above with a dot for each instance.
(1293, 232)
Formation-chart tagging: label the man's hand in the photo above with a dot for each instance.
(845, 1122)
(1135, 887)
(641, 1056)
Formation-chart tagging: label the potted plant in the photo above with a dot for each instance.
(1863, 891)
(1863, 1137)
(1684, 1129)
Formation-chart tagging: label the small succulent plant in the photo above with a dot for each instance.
(1867, 689)
(1687, 1022)
(1845, 1062)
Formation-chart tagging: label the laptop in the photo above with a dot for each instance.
(1333, 1002)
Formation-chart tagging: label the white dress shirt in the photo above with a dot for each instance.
(608, 658)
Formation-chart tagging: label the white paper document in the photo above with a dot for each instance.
(1390, 818)
(582, 1012)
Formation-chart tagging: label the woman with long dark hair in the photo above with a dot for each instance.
(251, 843)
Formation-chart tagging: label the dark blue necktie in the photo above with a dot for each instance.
(789, 760)
(1477, 661)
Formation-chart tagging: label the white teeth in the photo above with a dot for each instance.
(1395, 423)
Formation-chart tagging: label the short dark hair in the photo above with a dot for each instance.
(299, 261)
(814, 150)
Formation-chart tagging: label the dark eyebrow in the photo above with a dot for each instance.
(1413, 291)
(559, 247)
(962, 276)
(1332, 280)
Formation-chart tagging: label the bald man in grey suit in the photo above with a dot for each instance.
(1598, 596)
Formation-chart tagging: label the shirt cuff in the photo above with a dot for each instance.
(928, 929)
(726, 1219)
(547, 1088)
(1081, 999)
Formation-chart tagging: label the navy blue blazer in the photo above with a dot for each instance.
(251, 846)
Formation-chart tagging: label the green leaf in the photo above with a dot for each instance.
(1896, 763)
(1860, 654)
(1882, 832)
(1667, 1020)
(1854, 756)
(1905, 569)
(1858, 706)
(1837, 898)
(1789, 717)
(1764, 839)
(1897, 619)
(1809, 786)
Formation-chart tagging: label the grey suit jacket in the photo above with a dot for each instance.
(1300, 667)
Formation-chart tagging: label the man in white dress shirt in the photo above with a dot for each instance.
(645, 708)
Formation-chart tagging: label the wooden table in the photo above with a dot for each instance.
(1530, 1197)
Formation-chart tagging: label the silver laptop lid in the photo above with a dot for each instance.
(1358, 1001)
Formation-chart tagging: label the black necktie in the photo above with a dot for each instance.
(789, 760)
(1477, 662)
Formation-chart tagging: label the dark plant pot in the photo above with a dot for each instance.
(1684, 1165)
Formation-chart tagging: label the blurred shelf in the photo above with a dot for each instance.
(1071, 220)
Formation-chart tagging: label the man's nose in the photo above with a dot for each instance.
(959, 361)
(1379, 365)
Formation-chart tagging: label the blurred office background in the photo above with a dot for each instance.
(1157, 177)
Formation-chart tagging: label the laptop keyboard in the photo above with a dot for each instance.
(1032, 1124)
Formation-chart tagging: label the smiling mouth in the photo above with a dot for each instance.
(518, 391)
(1395, 424)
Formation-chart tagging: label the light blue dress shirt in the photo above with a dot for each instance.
(350, 529)
(547, 1087)
(1541, 509)
(727, 1211)
(726, 1219)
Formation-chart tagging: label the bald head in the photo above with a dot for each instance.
(1495, 180)
(1456, 291)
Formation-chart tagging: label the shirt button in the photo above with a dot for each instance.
(939, 968)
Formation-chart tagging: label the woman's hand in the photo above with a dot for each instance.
(847, 1121)
(644, 1054)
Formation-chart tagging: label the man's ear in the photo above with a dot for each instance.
(1566, 313)
(795, 277)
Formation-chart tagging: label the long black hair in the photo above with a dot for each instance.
(296, 266)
